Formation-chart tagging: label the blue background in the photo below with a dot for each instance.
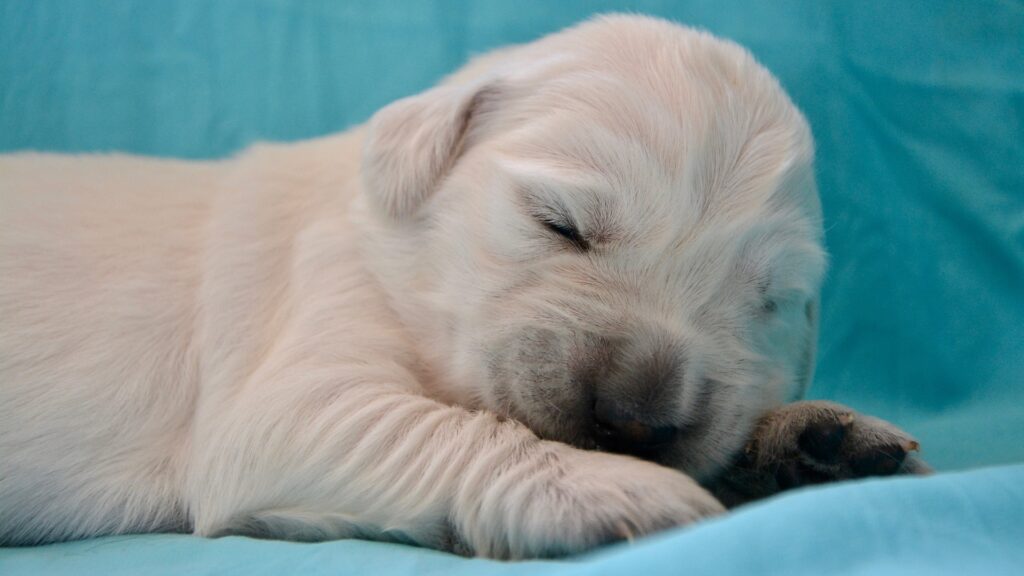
(918, 111)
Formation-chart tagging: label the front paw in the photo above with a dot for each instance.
(565, 501)
(814, 442)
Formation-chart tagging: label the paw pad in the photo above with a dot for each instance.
(823, 441)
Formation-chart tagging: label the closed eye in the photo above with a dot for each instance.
(567, 230)
(768, 304)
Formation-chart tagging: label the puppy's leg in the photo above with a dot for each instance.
(361, 458)
(815, 442)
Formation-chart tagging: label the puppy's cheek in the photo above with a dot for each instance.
(531, 380)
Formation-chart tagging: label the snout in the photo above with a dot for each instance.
(630, 392)
(638, 399)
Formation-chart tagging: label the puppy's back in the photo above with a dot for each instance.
(99, 266)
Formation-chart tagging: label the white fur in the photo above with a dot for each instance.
(324, 339)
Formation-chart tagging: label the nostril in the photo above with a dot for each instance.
(620, 432)
(606, 413)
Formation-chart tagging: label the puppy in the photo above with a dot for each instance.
(438, 328)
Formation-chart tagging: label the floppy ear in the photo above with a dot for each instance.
(413, 143)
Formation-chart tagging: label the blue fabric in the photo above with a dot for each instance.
(918, 110)
(956, 523)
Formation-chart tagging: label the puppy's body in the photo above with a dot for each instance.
(139, 297)
(323, 339)
(212, 355)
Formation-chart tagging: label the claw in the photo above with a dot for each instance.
(623, 532)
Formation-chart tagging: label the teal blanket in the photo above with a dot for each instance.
(918, 110)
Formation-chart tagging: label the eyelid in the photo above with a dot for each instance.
(563, 226)
(554, 216)
(768, 303)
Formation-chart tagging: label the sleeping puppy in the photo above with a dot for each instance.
(559, 300)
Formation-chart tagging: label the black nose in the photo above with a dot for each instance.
(618, 431)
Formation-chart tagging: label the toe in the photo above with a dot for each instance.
(878, 461)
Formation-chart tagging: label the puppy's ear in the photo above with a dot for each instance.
(413, 143)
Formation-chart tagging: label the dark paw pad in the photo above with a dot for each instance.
(793, 474)
(823, 441)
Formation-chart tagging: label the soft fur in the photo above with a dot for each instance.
(379, 334)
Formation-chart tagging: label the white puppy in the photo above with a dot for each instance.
(421, 330)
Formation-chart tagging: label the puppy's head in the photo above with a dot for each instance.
(611, 234)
